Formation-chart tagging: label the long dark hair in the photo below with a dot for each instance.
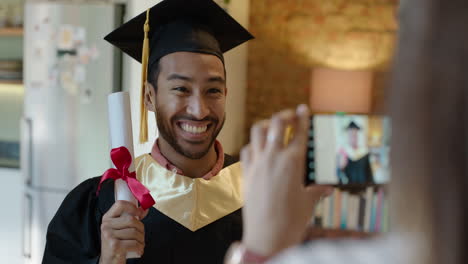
(428, 99)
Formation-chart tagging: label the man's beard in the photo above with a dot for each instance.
(169, 135)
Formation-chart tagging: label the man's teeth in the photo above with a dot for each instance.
(194, 129)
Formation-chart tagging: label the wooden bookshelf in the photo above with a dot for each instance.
(11, 32)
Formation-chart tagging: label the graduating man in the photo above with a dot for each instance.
(195, 185)
(354, 160)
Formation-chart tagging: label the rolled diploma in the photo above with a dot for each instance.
(120, 128)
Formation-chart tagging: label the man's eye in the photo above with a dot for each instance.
(180, 89)
(214, 90)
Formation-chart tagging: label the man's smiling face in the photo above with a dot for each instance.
(190, 101)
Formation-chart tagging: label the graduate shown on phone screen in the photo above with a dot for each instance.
(353, 158)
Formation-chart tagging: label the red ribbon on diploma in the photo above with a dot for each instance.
(122, 159)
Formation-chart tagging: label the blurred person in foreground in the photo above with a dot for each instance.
(428, 106)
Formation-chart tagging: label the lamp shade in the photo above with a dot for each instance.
(340, 91)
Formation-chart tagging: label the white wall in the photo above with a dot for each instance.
(232, 135)
(132, 82)
(236, 65)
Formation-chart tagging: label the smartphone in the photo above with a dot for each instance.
(348, 150)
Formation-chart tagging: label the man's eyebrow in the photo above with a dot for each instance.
(176, 76)
(217, 79)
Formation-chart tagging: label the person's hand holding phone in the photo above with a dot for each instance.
(278, 205)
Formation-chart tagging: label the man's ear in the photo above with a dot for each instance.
(150, 97)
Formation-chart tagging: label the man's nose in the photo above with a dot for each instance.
(197, 107)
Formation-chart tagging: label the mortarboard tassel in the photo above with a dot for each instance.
(144, 74)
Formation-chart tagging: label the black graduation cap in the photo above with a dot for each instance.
(353, 125)
(170, 26)
(180, 25)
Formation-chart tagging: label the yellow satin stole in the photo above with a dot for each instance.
(356, 154)
(193, 203)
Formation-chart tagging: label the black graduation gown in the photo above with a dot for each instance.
(359, 171)
(73, 235)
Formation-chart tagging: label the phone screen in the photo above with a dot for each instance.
(348, 150)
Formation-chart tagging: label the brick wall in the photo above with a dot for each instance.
(278, 68)
(275, 80)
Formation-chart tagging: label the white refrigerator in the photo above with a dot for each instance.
(68, 72)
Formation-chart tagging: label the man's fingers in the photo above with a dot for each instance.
(123, 222)
(120, 207)
(144, 213)
(131, 246)
(122, 231)
(130, 234)
(122, 241)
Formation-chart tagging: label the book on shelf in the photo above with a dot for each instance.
(364, 211)
(344, 210)
(326, 211)
(337, 208)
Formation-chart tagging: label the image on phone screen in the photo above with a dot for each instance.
(348, 150)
